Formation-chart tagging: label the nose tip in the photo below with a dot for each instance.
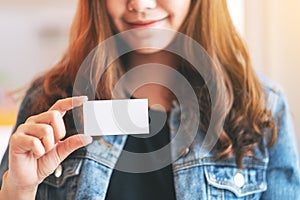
(141, 5)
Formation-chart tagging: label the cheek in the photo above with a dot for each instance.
(109, 7)
(173, 7)
(115, 8)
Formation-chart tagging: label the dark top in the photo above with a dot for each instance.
(150, 185)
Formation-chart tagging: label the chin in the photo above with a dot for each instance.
(147, 51)
(148, 41)
(147, 45)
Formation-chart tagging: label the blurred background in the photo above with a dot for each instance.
(34, 34)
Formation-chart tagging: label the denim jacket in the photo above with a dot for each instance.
(86, 173)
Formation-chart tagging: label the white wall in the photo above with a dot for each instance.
(33, 36)
(237, 12)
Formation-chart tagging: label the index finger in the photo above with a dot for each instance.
(66, 104)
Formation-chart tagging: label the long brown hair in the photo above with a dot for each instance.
(209, 23)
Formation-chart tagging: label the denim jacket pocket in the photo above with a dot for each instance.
(230, 182)
(64, 171)
(62, 184)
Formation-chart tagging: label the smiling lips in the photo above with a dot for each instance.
(145, 23)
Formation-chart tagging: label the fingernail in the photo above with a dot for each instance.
(84, 98)
(79, 100)
(86, 139)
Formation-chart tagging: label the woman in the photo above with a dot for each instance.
(254, 156)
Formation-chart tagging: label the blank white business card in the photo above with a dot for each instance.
(116, 117)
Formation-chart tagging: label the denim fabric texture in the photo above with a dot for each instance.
(272, 175)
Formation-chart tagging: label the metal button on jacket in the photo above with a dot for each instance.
(185, 152)
(58, 172)
(239, 179)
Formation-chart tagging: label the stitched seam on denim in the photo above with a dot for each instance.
(195, 163)
(251, 189)
(233, 190)
(97, 160)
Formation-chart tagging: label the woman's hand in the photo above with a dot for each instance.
(35, 149)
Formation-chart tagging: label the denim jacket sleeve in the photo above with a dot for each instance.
(283, 177)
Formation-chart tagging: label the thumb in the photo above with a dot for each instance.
(66, 147)
(62, 149)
